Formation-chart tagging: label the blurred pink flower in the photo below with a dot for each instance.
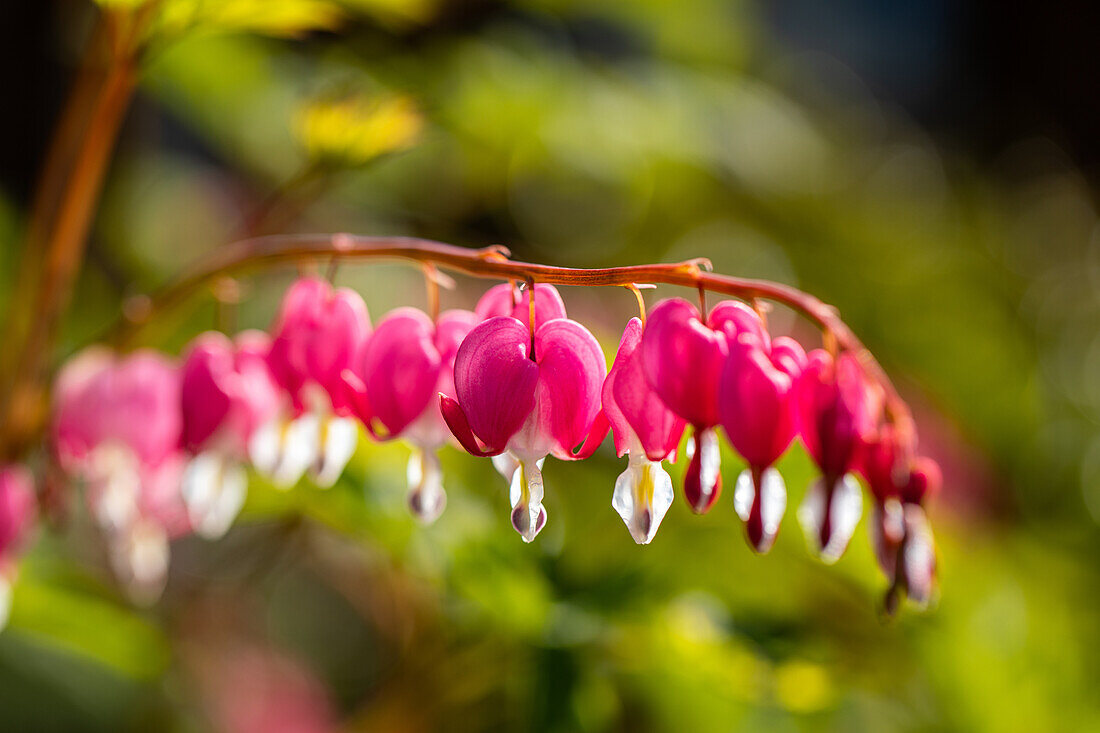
(260, 691)
(318, 334)
(227, 393)
(529, 396)
(756, 401)
(838, 413)
(118, 426)
(900, 531)
(406, 364)
(683, 358)
(18, 509)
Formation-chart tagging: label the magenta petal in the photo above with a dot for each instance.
(450, 331)
(500, 300)
(837, 413)
(18, 507)
(788, 355)
(596, 434)
(355, 399)
(459, 426)
(400, 367)
(318, 333)
(205, 396)
(735, 319)
(632, 407)
(571, 370)
(756, 404)
(703, 478)
(682, 358)
(495, 380)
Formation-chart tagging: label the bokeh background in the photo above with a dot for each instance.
(928, 167)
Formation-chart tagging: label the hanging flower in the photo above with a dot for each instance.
(757, 405)
(18, 508)
(506, 300)
(227, 393)
(318, 334)
(406, 364)
(644, 430)
(900, 531)
(837, 416)
(117, 426)
(683, 358)
(531, 395)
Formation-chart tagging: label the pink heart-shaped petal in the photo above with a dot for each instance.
(400, 368)
(633, 408)
(571, 370)
(495, 380)
(756, 403)
(501, 300)
(682, 359)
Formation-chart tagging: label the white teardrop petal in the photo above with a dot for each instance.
(846, 509)
(506, 464)
(526, 495)
(266, 445)
(773, 498)
(710, 458)
(427, 499)
(920, 556)
(226, 503)
(643, 493)
(139, 556)
(6, 588)
(299, 448)
(339, 438)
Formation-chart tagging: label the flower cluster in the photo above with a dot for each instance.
(162, 447)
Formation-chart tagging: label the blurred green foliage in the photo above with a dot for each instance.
(594, 134)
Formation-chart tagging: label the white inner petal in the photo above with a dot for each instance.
(265, 445)
(526, 495)
(299, 448)
(506, 464)
(847, 507)
(5, 600)
(773, 503)
(920, 556)
(214, 490)
(139, 555)
(114, 483)
(643, 493)
(710, 459)
(427, 498)
(338, 438)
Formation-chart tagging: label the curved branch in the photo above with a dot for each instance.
(492, 262)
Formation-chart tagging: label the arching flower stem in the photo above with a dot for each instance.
(493, 263)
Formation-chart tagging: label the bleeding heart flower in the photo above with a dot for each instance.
(759, 413)
(405, 365)
(118, 426)
(900, 531)
(645, 430)
(505, 300)
(318, 335)
(683, 358)
(529, 396)
(838, 413)
(227, 393)
(18, 508)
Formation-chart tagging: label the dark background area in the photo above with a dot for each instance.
(978, 76)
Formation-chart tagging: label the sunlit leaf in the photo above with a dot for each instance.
(282, 18)
(89, 625)
(355, 130)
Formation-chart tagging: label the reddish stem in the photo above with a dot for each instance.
(491, 262)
